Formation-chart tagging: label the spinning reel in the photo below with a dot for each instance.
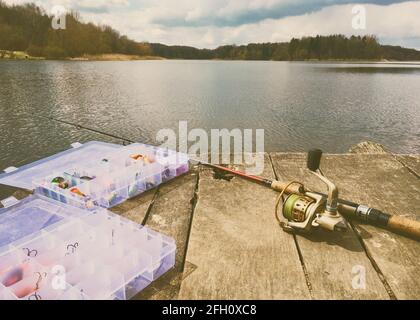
(306, 210)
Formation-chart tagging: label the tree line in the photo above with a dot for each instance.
(28, 28)
(334, 47)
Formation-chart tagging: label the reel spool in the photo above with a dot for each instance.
(301, 210)
(296, 207)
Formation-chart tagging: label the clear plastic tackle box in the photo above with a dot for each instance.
(108, 179)
(24, 176)
(51, 247)
(50, 250)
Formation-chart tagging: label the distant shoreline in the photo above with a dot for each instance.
(20, 55)
(113, 57)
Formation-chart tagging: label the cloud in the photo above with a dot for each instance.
(210, 23)
(96, 6)
(240, 12)
(99, 6)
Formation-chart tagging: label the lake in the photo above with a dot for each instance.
(300, 105)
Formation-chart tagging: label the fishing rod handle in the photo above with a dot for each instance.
(291, 188)
(405, 226)
(394, 223)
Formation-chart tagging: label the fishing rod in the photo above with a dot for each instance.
(303, 209)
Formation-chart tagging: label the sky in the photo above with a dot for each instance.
(211, 23)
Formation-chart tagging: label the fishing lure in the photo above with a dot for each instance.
(21, 293)
(78, 192)
(137, 156)
(32, 289)
(86, 178)
(13, 276)
(60, 182)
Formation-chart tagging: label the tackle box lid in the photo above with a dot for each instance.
(23, 177)
(30, 216)
(38, 234)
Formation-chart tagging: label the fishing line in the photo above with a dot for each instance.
(78, 126)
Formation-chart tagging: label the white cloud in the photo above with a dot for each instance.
(75, 4)
(396, 23)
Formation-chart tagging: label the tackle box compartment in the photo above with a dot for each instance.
(70, 253)
(112, 178)
(24, 176)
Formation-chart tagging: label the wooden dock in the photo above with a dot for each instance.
(229, 245)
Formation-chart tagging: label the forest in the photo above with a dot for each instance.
(28, 28)
(334, 47)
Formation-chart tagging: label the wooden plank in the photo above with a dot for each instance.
(171, 214)
(382, 182)
(410, 161)
(6, 191)
(237, 246)
(137, 208)
(330, 257)
(368, 147)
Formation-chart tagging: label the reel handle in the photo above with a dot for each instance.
(314, 159)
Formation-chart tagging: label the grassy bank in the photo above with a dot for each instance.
(113, 57)
(17, 55)
(21, 55)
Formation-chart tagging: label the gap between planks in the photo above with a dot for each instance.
(167, 287)
(251, 270)
(302, 261)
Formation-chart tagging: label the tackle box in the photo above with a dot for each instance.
(98, 174)
(50, 250)
(24, 176)
(111, 178)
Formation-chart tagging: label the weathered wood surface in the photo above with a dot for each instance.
(410, 161)
(168, 210)
(382, 182)
(237, 246)
(138, 208)
(229, 245)
(332, 259)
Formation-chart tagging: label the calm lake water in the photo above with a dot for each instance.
(300, 105)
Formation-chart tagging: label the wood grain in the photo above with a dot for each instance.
(382, 182)
(171, 215)
(332, 260)
(237, 246)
